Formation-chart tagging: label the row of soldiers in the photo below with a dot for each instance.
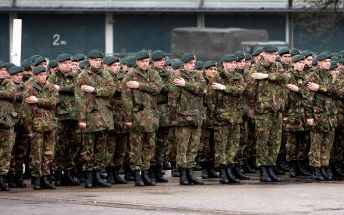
(90, 113)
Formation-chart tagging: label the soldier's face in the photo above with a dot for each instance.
(3, 73)
(309, 60)
(143, 64)
(115, 67)
(211, 72)
(95, 63)
(190, 66)
(324, 64)
(17, 78)
(230, 66)
(75, 66)
(298, 66)
(248, 64)
(270, 57)
(241, 64)
(160, 64)
(286, 58)
(41, 77)
(65, 66)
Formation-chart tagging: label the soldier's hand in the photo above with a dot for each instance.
(31, 100)
(128, 124)
(133, 84)
(310, 122)
(87, 89)
(293, 87)
(82, 125)
(179, 82)
(313, 86)
(31, 136)
(56, 87)
(259, 76)
(217, 86)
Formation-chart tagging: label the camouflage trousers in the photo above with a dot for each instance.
(94, 155)
(7, 138)
(206, 148)
(320, 151)
(161, 145)
(142, 147)
(67, 147)
(268, 138)
(42, 153)
(187, 140)
(337, 152)
(296, 145)
(171, 145)
(20, 149)
(227, 143)
(249, 152)
(239, 158)
(116, 148)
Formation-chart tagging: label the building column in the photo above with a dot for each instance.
(109, 46)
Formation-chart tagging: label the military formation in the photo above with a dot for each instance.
(85, 119)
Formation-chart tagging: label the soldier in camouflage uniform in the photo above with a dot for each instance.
(140, 89)
(321, 117)
(94, 88)
(188, 100)
(7, 122)
(67, 148)
(39, 101)
(265, 89)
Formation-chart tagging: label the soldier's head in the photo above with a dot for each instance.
(240, 60)
(248, 60)
(16, 73)
(40, 74)
(40, 61)
(324, 61)
(188, 60)
(112, 64)
(64, 63)
(284, 55)
(3, 70)
(199, 66)
(229, 62)
(210, 68)
(142, 59)
(158, 58)
(270, 53)
(298, 62)
(95, 59)
(257, 54)
(76, 62)
(308, 57)
(177, 66)
(52, 66)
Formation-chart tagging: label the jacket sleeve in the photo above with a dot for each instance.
(197, 87)
(108, 89)
(153, 87)
(80, 99)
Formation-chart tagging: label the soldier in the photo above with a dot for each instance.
(264, 89)
(7, 122)
(52, 68)
(188, 100)
(66, 145)
(76, 62)
(285, 58)
(321, 117)
(140, 89)
(39, 118)
(93, 89)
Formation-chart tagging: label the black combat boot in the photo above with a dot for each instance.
(292, 169)
(248, 168)
(158, 175)
(323, 171)
(272, 175)
(337, 169)
(46, 183)
(36, 183)
(99, 181)
(117, 178)
(212, 171)
(329, 173)
(264, 174)
(192, 178)
(128, 173)
(151, 174)
(303, 168)
(317, 175)
(11, 179)
(183, 180)
(3, 184)
(167, 165)
(175, 172)
(19, 179)
(109, 171)
(89, 179)
(146, 179)
(138, 179)
(205, 170)
(223, 179)
(71, 180)
(239, 173)
(58, 177)
(230, 174)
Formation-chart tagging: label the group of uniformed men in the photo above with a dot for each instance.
(278, 110)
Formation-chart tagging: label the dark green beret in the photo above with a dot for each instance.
(177, 65)
(229, 58)
(94, 54)
(143, 54)
(323, 56)
(15, 69)
(52, 64)
(63, 57)
(240, 55)
(294, 51)
(270, 49)
(257, 52)
(26, 64)
(209, 64)
(307, 53)
(39, 60)
(109, 60)
(9, 65)
(83, 64)
(130, 62)
(334, 65)
(158, 55)
(283, 51)
(187, 57)
(39, 69)
(168, 62)
(78, 57)
(199, 65)
(34, 57)
(297, 58)
(248, 56)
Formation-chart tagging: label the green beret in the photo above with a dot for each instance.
(323, 56)
(307, 53)
(78, 57)
(297, 58)
(39, 60)
(9, 65)
(129, 61)
(177, 65)
(199, 65)
(240, 55)
(334, 65)
(94, 54)
(248, 57)
(294, 51)
(283, 51)
(270, 49)
(229, 58)
(26, 64)
(52, 64)
(209, 64)
(63, 57)
(158, 55)
(168, 62)
(83, 64)
(15, 69)
(187, 57)
(143, 54)
(257, 52)
(109, 60)
(39, 69)
(34, 57)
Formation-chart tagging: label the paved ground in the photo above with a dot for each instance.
(299, 196)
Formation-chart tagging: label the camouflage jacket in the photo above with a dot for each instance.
(94, 108)
(66, 106)
(322, 108)
(209, 102)
(162, 99)
(267, 95)
(187, 102)
(338, 89)
(40, 117)
(141, 104)
(8, 115)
